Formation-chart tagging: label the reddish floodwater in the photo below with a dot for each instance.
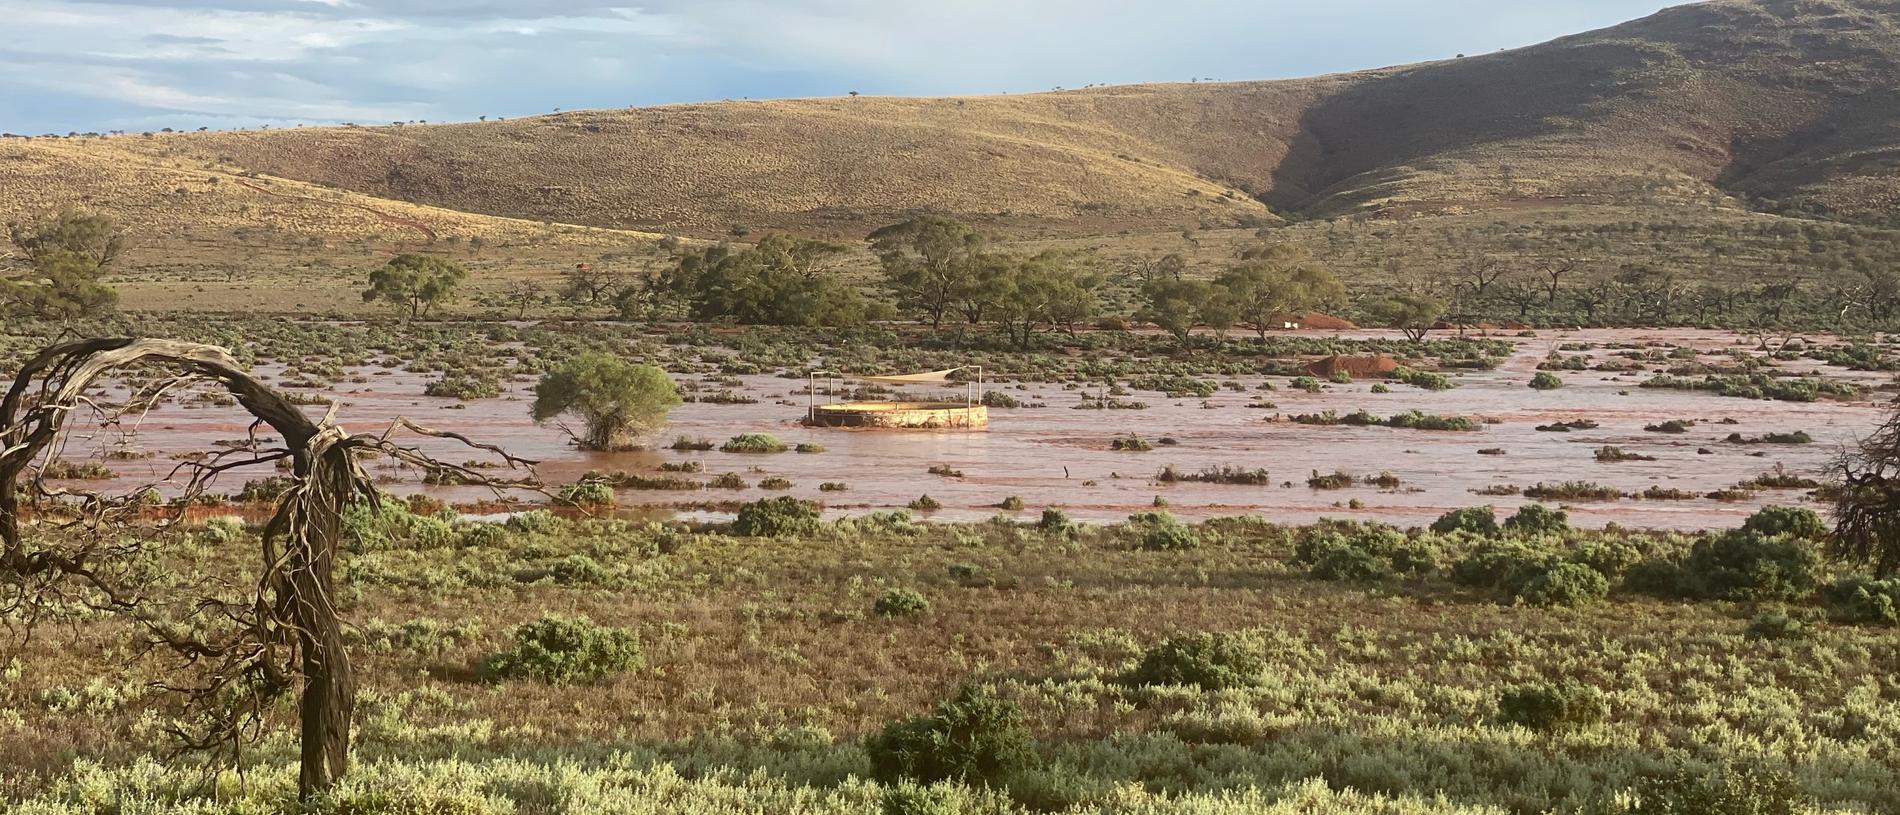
(1049, 456)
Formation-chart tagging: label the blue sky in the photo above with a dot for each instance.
(146, 64)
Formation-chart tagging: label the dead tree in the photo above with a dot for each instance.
(288, 633)
(1866, 499)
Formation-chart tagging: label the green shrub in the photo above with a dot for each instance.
(776, 517)
(753, 443)
(1361, 552)
(222, 530)
(974, 738)
(566, 650)
(1476, 520)
(534, 522)
(1725, 790)
(1744, 565)
(1864, 601)
(587, 494)
(1501, 564)
(809, 447)
(1565, 584)
(1209, 661)
(1795, 522)
(1546, 381)
(1550, 707)
(1160, 532)
(392, 525)
(1537, 519)
(477, 535)
(924, 503)
(1013, 503)
(1774, 625)
(1055, 522)
(901, 603)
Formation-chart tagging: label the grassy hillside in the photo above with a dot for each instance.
(1792, 102)
(1664, 141)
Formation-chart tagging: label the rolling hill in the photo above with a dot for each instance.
(1730, 108)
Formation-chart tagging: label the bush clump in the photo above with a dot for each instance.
(1795, 522)
(1550, 707)
(1565, 584)
(974, 737)
(1725, 790)
(753, 443)
(1746, 565)
(1362, 552)
(1475, 520)
(1546, 381)
(776, 517)
(1160, 532)
(901, 603)
(1537, 519)
(1774, 625)
(1209, 661)
(566, 650)
(1864, 601)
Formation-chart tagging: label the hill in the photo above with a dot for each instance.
(1717, 114)
(1786, 104)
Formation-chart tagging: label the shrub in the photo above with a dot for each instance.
(808, 447)
(925, 503)
(1572, 491)
(1549, 707)
(1794, 522)
(727, 481)
(1744, 565)
(1130, 443)
(901, 603)
(688, 443)
(566, 650)
(476, 535)
(1013, 503)
(1160, 532)
(775, 483)
(1565, 584)
(464, 386)
(1055, 522)
(1537, 519)
(753, 443)
(776, 517)
(587, 494)
(534, 522)
(222, 530)
(1362, 552)
(390, 525)
(1501, 564)
(1546, 381)
(1209, 661)
(1336, 480)
(1725, 790)
(833, 486)
(972, 738)
(1774, 625)
(1864, 600)
(1476, 520)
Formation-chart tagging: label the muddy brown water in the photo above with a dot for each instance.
(1060, 456)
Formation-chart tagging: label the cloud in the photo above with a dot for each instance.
(119, 64)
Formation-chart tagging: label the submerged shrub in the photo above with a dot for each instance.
(1209, 661)
(753, 443)
(776, 517)
(974, 738)
(566, 650)
(1550, 707)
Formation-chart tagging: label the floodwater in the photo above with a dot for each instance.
(1060, 456)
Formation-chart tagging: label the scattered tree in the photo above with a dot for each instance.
(415, 283)
(1413, 314)
(617, 400)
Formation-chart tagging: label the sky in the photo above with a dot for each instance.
(147, 64)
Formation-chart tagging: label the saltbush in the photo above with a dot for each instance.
(1863, 600)
(1745, 565)
(974, 737)
(753, 443)
(776, 517)
(1362, 552)
(901, 603)
(566, 650)
(1160, 532)
(1795, 522)
(1725, 790)
(1476, 520)
(1537, 519)
(1549, 707)
(1565, 584)
(1774, 625)
(1209, 661)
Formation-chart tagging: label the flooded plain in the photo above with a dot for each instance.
(1057, 455)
